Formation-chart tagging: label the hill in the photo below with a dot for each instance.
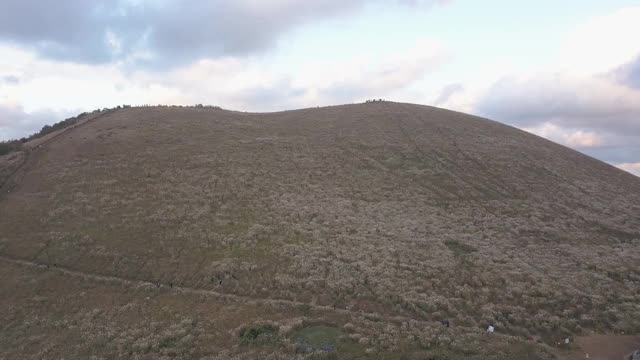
(200, 232)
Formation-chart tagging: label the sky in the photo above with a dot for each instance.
(568, 71)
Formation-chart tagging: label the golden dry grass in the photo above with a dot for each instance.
(395, 215)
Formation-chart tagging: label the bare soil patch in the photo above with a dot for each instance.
(608, 347)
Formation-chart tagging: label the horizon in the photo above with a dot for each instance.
(563, 72)
(221, 108)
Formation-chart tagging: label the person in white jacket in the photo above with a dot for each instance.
(490, 329)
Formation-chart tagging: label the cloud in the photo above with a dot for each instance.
(232, 82)
(361, 78)
(424, 2)
(160, 33)
(612, 147)
(598, 45)
(244, 84)
(64, 29)
(573, 138)
(570, 102)
(594, 114)
(447, 92)
(267, 97)
(633, 168)
(16, 123)
(10, 79)
(377, 81)
(588, 98)
(628, 74)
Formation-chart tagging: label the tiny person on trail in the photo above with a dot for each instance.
(490, 329)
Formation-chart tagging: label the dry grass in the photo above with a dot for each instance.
(9, 164)
(412, 213)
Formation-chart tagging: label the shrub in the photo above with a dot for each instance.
(4, 148)
(459, 248)
(47, 129)
(7, 147)
(258, 335)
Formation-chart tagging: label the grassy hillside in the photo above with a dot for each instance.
(195, 232)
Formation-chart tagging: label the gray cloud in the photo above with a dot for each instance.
(16, 123)
(616, 154)
(628, 74)
(576, 109)
(70, 29)
(172, 31)
(228, 27)
(590, 103)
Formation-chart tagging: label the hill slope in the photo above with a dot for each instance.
(166, 230)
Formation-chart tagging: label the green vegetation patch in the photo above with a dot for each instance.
(258, 335)
(459, 248)
(328, 339)
(318, 335)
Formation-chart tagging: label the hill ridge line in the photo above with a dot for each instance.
(29, 152)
